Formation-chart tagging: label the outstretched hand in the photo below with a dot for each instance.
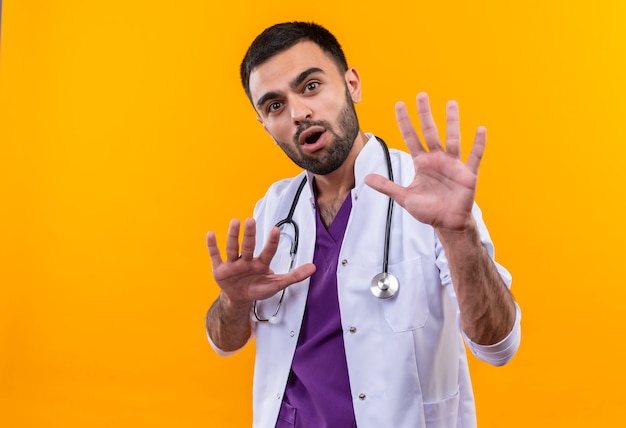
(244, 278)
(442, 192)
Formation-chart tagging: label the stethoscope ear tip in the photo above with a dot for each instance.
(273, 320)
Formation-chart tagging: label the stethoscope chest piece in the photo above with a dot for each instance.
(384, 285)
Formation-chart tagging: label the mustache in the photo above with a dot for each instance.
(306, 125)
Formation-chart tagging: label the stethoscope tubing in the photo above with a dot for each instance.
(292, 252)
(389, 209)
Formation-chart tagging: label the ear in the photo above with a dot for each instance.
(353, 82)
(258, 118)
(264, 127)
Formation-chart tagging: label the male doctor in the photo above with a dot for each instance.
(335, 348)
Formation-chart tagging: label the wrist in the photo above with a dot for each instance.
(465, 235)
(232, 308)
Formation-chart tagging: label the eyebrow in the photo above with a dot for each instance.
(293, 84)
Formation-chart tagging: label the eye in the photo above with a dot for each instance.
(274, 106)
(311, 86)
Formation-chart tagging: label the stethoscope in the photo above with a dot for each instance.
(384, 285)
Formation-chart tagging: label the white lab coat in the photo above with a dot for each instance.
(406, 360)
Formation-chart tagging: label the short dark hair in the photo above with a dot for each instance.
(280, 37)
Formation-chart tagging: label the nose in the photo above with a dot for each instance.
(300, 111)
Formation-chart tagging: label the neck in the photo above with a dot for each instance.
(333, 188)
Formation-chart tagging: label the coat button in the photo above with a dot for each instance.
(292, 333)
(344, 262)
(361, 396)
(352, 329)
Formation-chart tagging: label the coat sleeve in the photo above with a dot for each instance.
(502, 352)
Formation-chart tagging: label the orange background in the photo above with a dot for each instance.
(125, 136)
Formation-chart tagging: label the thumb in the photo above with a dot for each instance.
(386, 187)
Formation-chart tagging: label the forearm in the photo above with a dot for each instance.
(228, 324)
(486, 305)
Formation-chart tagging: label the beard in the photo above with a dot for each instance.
(337, 152)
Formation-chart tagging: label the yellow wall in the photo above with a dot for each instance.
(124, 137)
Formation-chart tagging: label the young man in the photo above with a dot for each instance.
(339, 344)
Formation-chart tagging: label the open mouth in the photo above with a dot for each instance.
(311, 135)
(312, 139)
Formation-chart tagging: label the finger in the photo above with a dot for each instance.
(282, 281)
(429, 129)
(249, 239)
(232, 243)
(453, 133)
(300, 273)
(269, 250)
(386, 187)
(407, 130)
(214, 251)
(476, 155)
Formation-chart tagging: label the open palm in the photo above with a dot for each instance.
(243, 277)
(442, 192)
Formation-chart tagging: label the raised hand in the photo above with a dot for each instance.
(244, 278)
(442, 192)
(442, 195)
